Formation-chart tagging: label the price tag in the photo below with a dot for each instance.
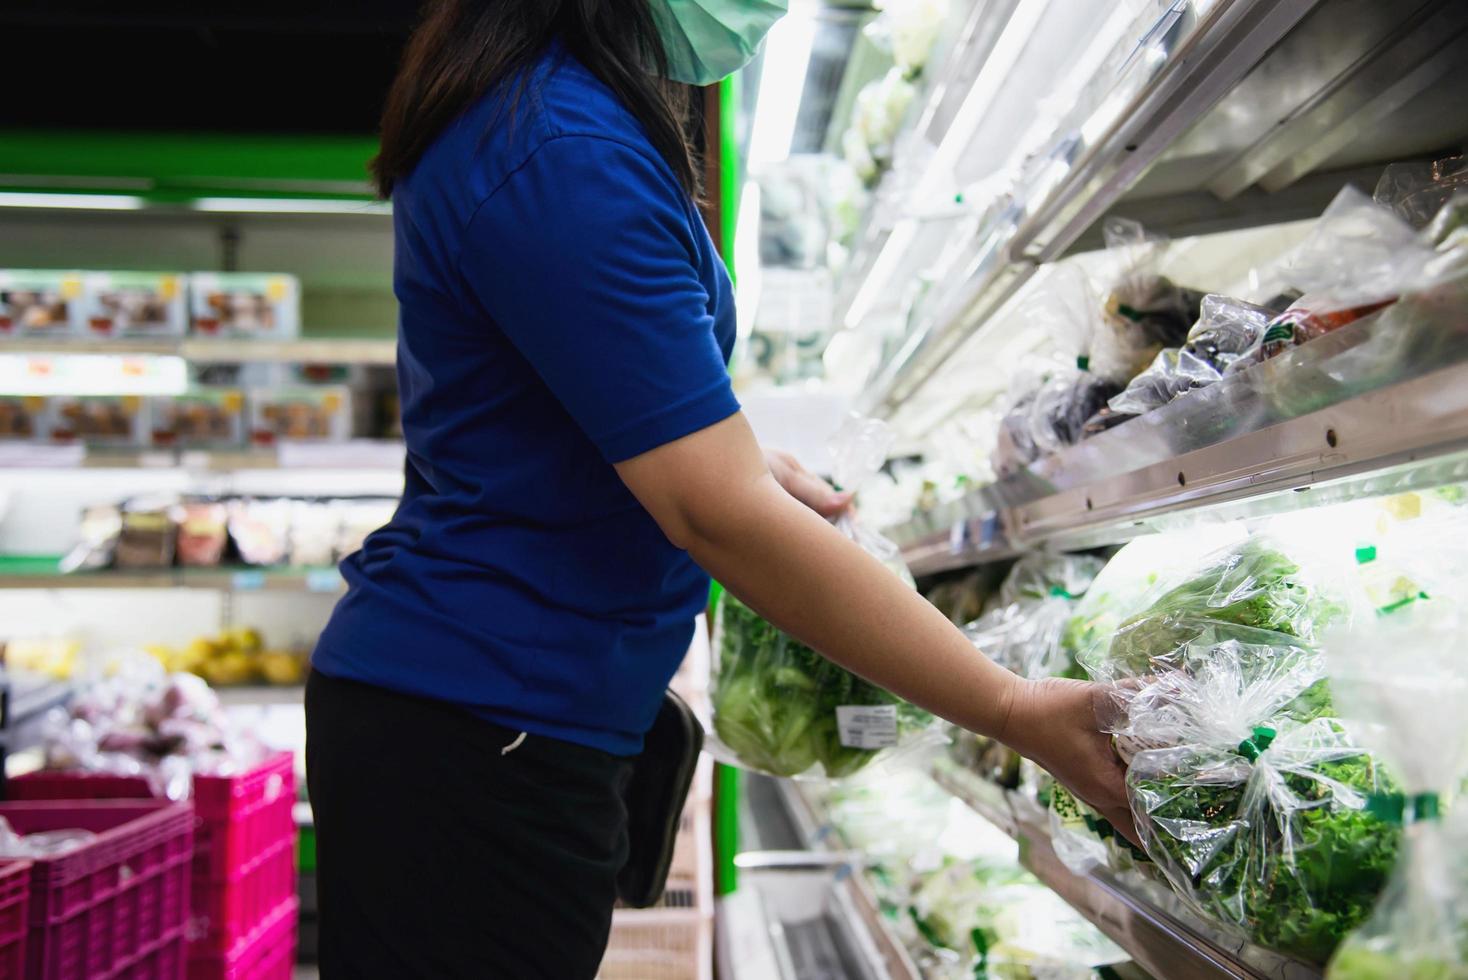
(323, 580)
(155, 460)
(251, 581)
(867, 726)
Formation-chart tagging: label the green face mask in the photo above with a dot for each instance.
(707, 40)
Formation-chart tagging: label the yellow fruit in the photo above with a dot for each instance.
(281, 667)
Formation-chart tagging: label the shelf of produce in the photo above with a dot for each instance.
(1168, 942)
(41, 573)
(219, 351)
(1227, 448)
(1221, 115)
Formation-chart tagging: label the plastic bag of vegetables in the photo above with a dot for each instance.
(1401, 682)
(1253, 800)
(1035, 603)
(782, 708)
(1254, 584)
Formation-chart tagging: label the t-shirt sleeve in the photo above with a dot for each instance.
(585, 258)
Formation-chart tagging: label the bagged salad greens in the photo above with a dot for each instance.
(1249, 796)
(1144, 311)
(1403, 682)
(782, 708)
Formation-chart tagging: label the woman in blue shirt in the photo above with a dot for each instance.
(577, 465)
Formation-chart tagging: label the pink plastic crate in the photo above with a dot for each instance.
(15, 891)
(269, 955)
(232, 911)
(240, 821)
(116, 907)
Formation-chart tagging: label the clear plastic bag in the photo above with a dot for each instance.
(1035, 603)
(1271, 835)
(1254, 585)
(1226, 330)
(1144, 311)
(1248, 795)
(1401, 681)
(1417, 191)
(782, 708)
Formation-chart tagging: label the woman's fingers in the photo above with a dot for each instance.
(805, 486)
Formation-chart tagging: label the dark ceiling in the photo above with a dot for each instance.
(277, 66)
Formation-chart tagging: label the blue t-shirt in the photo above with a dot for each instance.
(562, 309)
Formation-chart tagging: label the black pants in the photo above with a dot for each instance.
(443, 852)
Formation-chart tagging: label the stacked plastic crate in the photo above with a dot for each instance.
(674, 939)
(242, 924)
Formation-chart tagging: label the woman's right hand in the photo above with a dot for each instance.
(1055, 723)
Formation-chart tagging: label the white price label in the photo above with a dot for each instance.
(867, 726)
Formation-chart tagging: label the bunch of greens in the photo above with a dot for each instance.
(775, 700)
(1283, 847)
(1252, 585)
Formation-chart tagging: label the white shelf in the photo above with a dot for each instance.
(217, 351)
(1226, 448)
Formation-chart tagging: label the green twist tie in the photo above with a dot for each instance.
(1083, 362)
(1392, 607)
(1130, 312)
(1060, 592)
(1398, 809)
(1252, 748)
(1366, 554)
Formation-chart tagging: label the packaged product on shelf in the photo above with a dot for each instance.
(96, 543)
(241, 304)
(260, 530)
(1023, 631)
(202, 417)
(1226, 330)
(1250, 797)
(134, 304)
(148, 536)
(1252, 585)
(1358, 258)
(782, 708)
(315, 530)
(40, 303)
(97, 420)
(1401, 681)
(303, 414)
(1416, 191)
(359, 517)
(22, 418)
(1143, 312)
(203, 532)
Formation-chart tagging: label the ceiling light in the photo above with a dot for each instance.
(283, 205)
(76, 202)
(781, 82)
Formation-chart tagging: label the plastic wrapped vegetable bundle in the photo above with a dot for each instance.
(1023, 631)
(1401, 681)
(1144, 311)
(1253, 585)
(1226, 330)
(781, 707)
(1254, 802)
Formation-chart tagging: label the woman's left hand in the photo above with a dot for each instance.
(805, 486)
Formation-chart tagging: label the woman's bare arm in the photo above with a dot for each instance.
(713, 494)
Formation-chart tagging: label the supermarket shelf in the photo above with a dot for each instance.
(1225, 448)
(1167, 942)
(261, 694)
(222, 351)
(1226, 114)
(42, 574)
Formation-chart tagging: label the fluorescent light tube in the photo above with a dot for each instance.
(781, 84)
(282, 205)
(76, 202)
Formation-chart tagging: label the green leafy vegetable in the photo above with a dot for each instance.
(1283, 848)
(775, 700)
(1254, 586)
